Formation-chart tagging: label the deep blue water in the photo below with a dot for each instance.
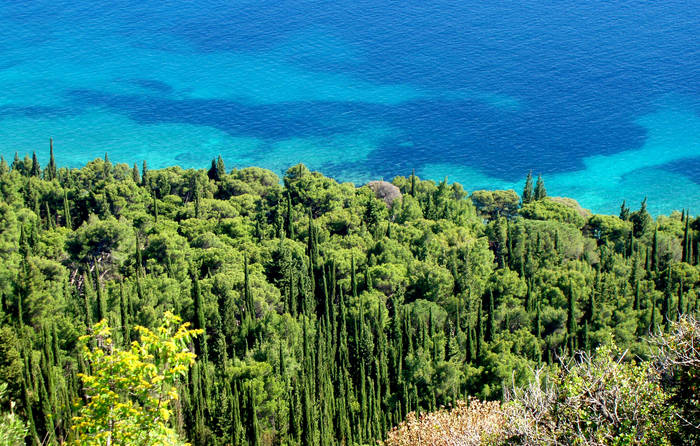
(602, 98)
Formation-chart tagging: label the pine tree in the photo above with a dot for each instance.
(540, 191)
(4, 168)
(528, 195)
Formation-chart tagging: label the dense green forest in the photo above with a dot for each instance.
(327, 311)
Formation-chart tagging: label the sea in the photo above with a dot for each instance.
(602, 98)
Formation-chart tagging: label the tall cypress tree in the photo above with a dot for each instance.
(51, 168)
(135, 176)
(540, 191)
(66, 211)
(199, 321)
(144, 174)
(528, 195)
(490, 318)
(253, 427)
(290, 217)
(101, 304)
(571, 320)
(36, 168)
(124, 311)
(220, 168)
(655, 251)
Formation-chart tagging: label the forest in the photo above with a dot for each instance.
(232, 307)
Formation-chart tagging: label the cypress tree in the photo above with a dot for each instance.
(353, 275)
(135, 176)
(294, 430)
(247, 293)
(538, 321)
(413, 183)
(87, 300)
(540, 191)
(66, 211)
(307, 428)
(4, 168)
(490, 318)
(199, 321)
(479, 331)
(155, 208)
(686, 245)
(36, 168)
(212, 173)
(655, 251)
(253, 428)
(236, 424)
(624, 211)
(220, 168)
(571, 320)
(528, 195)
(101, 304)
(51, 168)
(666, 307)
(290, 217)
(144, 174)
(681, 299)
(124, 311)
(586, 340)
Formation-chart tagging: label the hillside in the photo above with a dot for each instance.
(328, 311)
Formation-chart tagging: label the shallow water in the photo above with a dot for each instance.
(602, 98)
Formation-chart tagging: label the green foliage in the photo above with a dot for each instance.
(493, 204)
(328, 313)
(547, 209)
(129, 392)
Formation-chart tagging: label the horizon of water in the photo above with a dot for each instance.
(601, 98)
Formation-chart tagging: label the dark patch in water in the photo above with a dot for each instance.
(153, 85)
(689, 168)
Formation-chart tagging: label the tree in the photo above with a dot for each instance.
(36, 168)
(624, 211)
(135, 176)
(128, 392)
(51, 168)
(641, 219)
(540, 191)
(528, 195)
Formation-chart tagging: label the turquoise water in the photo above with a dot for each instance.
(602, 98)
